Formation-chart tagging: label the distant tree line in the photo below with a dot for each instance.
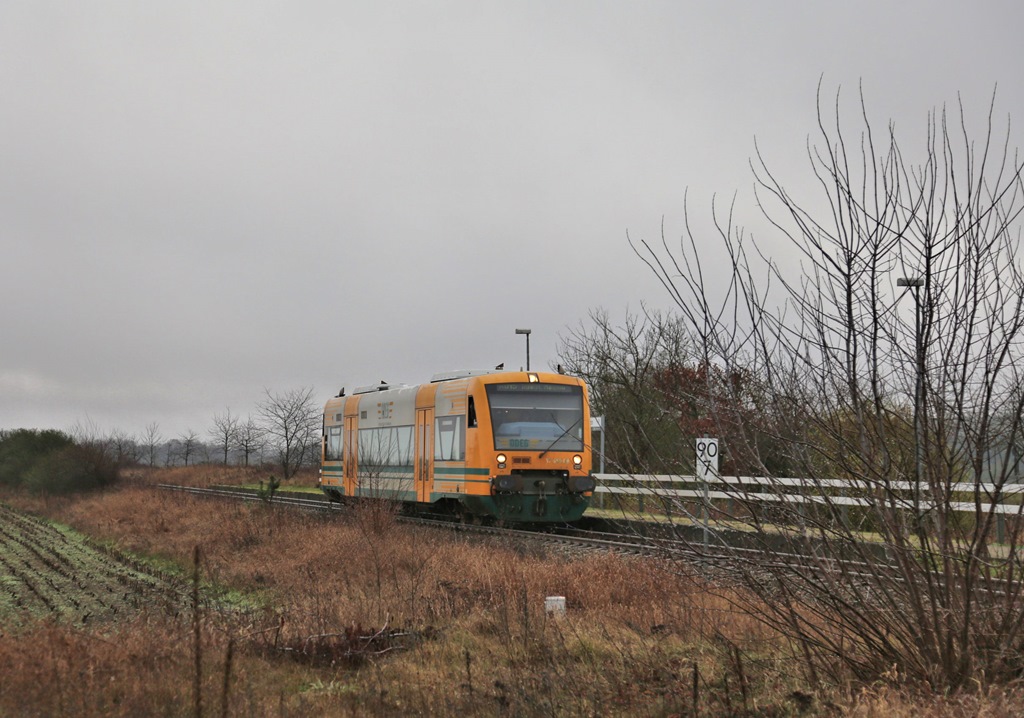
(284, 431)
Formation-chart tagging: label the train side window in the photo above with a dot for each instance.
(450, 438)
(471, 414)
(333, 449)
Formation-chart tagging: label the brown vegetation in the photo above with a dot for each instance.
(306, 614)
(214, 475)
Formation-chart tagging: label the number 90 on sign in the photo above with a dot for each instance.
(707, 448)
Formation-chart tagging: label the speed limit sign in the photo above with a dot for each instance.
(707, 458)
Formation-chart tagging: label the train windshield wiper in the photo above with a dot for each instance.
(541, 454)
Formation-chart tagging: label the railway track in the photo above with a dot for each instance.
(717, 558)
(712, 559)
(563, 537)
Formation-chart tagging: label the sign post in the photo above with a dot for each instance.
(597, 424)
(707, 471)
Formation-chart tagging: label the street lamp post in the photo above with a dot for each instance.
(915, 283)
(527, 333)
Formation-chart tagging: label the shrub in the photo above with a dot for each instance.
(22, 448)
(72, 468)
(51, 461)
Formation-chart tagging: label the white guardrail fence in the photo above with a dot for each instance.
(804, 491)
(707, 486)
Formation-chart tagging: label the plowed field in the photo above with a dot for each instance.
(47, 569)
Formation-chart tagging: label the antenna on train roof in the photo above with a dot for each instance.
(342, 392)
(500, 366)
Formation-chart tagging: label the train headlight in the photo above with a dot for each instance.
(501, 460)
(577, 461)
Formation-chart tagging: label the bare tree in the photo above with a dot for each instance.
(225, 432)
(172, 450)
(648, 380)
(151, 439)
(249, 439)
(86, 432)
(124, 449)
(622, 366)
(893, 362)
(187, 444)
(291, 422)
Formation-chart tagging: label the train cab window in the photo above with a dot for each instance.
(536, 416)
(471, 414)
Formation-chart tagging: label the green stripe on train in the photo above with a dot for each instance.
(460, 471)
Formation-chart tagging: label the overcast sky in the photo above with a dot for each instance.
(203, 200)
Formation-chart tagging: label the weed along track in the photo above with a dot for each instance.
(46, 569)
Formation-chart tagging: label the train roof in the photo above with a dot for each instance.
(435, 379)
(383, 386)
(462, 374)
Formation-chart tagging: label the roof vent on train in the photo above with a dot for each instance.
(462, 374)
(383, 386)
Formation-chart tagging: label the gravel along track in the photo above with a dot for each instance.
(49, 570)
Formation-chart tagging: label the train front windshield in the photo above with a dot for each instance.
(536, 416)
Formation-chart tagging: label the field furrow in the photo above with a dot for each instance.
(47, 569)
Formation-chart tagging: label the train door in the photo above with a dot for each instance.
(424, 460)
(351, 449)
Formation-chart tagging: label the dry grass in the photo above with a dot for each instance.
(888, 702)
(366, 616)
(214, 474)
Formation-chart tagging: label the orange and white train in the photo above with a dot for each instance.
(513, 446)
